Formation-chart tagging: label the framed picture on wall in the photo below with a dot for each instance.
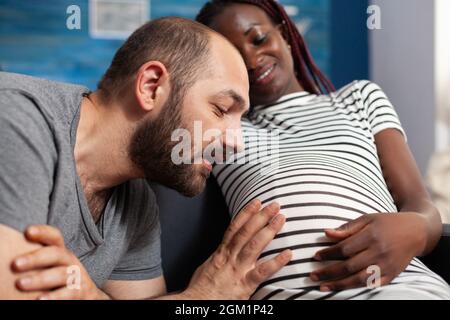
(116, 19)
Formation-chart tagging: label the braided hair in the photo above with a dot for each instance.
(306, 71)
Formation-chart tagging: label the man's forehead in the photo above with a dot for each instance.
(227, 74)
(224, 51)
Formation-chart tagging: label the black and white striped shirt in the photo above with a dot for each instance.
(320, 163)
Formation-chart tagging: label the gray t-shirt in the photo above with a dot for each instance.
(39, 184)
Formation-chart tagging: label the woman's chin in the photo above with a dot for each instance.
(267, 96)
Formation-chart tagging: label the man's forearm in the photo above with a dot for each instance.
(102, 295)
(183, 295)
(187, 294)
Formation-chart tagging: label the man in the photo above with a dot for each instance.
(77, 220)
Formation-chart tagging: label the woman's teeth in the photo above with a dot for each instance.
(265, 74)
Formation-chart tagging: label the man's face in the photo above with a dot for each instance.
(210, 111)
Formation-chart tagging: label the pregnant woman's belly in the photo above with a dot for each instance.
(313, 196)
(312, 200)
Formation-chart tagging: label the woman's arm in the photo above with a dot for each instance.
(386, 241)
(406, 185)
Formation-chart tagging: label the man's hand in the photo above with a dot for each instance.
(387, 240)
(231, 272)
(51, 266)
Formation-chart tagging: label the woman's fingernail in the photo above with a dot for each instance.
(317, 257)
(314, 277)
(325, 288)
(43, 298)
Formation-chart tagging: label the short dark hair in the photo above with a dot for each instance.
(180, 44)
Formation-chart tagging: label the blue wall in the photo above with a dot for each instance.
(34, 39)
(349, 41)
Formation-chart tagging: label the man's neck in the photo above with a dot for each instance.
(101, 148)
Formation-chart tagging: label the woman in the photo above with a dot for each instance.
(342, 164)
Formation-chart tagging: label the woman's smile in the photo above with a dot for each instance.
(263, 75)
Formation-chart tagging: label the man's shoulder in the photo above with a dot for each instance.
(52, 99)
(22, 82)
(21, 117)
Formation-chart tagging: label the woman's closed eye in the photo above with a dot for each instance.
(260, 39)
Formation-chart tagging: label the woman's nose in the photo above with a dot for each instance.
(252, 58)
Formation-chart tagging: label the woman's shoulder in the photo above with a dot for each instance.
(362, 87)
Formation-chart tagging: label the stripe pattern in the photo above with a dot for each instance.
(316, 156)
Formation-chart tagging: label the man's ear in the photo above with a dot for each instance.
(152, 85)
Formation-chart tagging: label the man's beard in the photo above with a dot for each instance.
(151, 147)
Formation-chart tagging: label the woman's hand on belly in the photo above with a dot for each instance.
(374, 249)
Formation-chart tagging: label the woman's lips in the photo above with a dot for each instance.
(264, 77)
